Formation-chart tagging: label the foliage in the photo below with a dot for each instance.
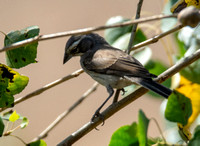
(25, 55)
(179, 108)
(11, 83)
(134, 134)
(125, 135)
(37, 143)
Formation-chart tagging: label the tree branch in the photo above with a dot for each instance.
(64, 114)
(157, 37)
(133, 32)
(81, 31)
(112, 109)
(46, 87)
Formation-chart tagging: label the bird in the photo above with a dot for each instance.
(109, 66)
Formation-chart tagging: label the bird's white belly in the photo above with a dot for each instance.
(105, 80)
(113, 81)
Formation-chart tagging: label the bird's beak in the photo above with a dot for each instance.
(66, 58)
(67, 55)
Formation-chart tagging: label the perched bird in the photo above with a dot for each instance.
(110, 66)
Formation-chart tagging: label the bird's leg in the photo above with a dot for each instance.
(123, 91)
(115, 99)
(97, 113)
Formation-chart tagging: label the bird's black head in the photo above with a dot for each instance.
(79, 44)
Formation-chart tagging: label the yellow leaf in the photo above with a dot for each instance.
(181, 4)
(195, 3)
(184, 132)
(192, 91)
(14, 117)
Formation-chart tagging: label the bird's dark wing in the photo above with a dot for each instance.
(116, 62)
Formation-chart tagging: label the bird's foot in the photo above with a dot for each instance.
(98, 115)
(123, 91)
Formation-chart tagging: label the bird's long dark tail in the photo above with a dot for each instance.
(153, 86)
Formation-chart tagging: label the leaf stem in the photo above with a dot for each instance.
(19, 139)
(159, 129)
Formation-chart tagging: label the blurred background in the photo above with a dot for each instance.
(58, 16)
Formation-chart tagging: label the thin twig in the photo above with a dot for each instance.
(133, 32)
(19, 139)
(64, 114)
(113, 108)
(159, 129)
(82, 31)
(157, 37)
(46, 87)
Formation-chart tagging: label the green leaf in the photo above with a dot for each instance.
(14, 117)
(16, 82)
(24, 123)
(37, 143)
(139, 37)
(2, 126)
(178, 108)
(112, 34)
(11, 83)
(125, 136)
(143, 123)
(6, 98)
(157, 67)
(21, 56)
(195, 141)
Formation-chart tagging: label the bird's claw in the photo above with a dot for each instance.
(123, 91)
(98, 115)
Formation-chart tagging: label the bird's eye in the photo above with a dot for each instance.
(74, 50)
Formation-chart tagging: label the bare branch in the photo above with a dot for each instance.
(157, 37)
(81, 31)
(133, 32)
(64, 114)
(46, 87)
(115, 107)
